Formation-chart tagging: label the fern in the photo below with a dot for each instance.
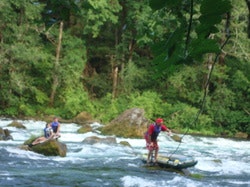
(189, 41)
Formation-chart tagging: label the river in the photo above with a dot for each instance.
(221, 162)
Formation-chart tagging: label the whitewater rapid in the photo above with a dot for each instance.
(221, 162)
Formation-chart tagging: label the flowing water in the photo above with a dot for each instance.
(221, 162)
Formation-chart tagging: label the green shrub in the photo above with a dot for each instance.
(184, 116)
(151, 102)
(75, 101)
(27, 110)
(108, 108)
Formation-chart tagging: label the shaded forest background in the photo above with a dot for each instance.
(106, 56)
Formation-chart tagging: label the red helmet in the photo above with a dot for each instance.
(159, 120)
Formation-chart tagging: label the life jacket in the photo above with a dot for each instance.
(146, 136)
(47, 132)
(157, 130)
(54, 126)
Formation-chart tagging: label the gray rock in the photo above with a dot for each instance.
(94, 139)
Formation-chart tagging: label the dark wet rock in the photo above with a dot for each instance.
(5, 134)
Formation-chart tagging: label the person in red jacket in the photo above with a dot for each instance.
(151, 138)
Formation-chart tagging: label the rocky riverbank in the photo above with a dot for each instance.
(132, 123)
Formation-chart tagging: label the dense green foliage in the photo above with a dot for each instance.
(186, 61)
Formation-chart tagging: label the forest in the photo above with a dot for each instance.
(187, 61)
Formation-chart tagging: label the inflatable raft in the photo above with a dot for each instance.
(178, 162)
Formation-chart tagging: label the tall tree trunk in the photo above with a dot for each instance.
(131, 49)
(115, 80)
(248, 27)
(114, 69)
(209, 64)
(56, 67)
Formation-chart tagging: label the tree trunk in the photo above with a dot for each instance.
(114, 69)
(56, 67)
(115, 77)
(248, 26)
(209, 64)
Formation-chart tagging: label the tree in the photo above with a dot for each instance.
(248, 27)
(20, 56)
(56, 66)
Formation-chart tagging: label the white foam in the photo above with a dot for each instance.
(131, 181)
(4, 173)
(96, 125)
(68, 137)
(5, 122)
(233, 167)
(16, 152)
(238, 183)
(71, 159)
(69, 127)
(133, 142)
(209, 165)
(183, 181)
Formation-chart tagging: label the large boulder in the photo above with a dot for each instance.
(132, 117)
(5, 134)
(130, 124)
(50, 148)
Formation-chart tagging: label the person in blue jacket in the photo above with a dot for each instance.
(55, 125)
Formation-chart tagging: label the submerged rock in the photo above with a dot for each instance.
(17, 125)
(107, 140)
(94, 139)
(176, 138)
(85, 129)
(125, 143)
